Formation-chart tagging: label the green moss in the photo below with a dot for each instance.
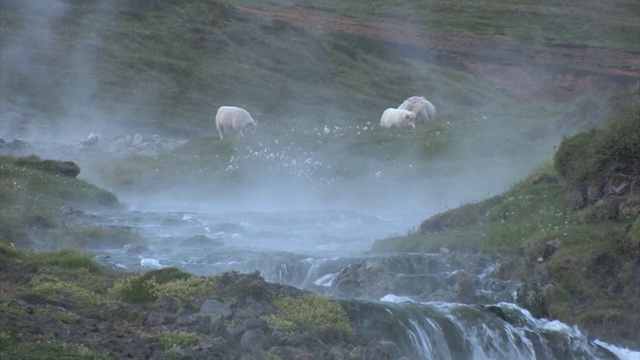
(311, 312)
(68, 259)
(591, 155)
(97, 237)
(149, 286)
(51, 287)
(55, 167)
(634, 233)
(13, 348)
(180, 338)
(8, 252)
(10, 307)
(32, 194)
(62, 316)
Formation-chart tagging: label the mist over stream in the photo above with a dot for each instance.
(413, 300)
(292, 214)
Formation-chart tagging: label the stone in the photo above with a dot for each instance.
(214, 309)
(253, 339)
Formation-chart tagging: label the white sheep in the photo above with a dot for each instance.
(424, 110)
(397, 117)
(236, 119)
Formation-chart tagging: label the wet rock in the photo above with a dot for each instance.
(531, 297)
(160, 318)
(550, 249)
(574, 200)
(218, 347)
(201, 241)
(629, 208)
(423, 277)
(135, 249)
(91, 140)
(545, 178)
(464, 288)
(167, 303)
(214, 309)
(595, 191)
(254, 340)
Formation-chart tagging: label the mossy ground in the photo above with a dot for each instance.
(597, 260)
(35, 198)
(55, 290)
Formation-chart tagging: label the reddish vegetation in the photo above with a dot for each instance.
(556, 72)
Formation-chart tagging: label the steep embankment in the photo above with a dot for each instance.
(571, 231)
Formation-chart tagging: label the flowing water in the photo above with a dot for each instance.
(315, 250)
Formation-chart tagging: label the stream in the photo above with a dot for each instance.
(413, 300)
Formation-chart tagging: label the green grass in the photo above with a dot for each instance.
(131, 64)
(33, 195)
(595, 23)
(311, 312)
(44, 350)
(597, 247)
(148, 287)
(180, 338)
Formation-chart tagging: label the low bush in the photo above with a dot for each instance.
(170, 281)
(50, 287)
(602, 152)
(311, 312)
(179, 338)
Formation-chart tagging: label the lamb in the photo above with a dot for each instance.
(424, 110)
(397, 117)
(235, 119)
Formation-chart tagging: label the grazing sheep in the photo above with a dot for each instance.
(424, 110)
(236, 119)
(397, 117)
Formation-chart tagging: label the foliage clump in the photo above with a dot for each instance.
(242, 287)
(32, 192)
(48, 286)
(98, 237)
(11, 347)
(311, 312)
(149, 286)
(602, 152)
(56, 167)
(180, 338)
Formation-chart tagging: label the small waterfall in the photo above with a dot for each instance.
(457, 331)
(429, 317)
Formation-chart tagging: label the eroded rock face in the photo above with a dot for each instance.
(229, 327)
(464, 278)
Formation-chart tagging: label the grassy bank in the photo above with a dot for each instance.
(573, 223)
(38, 196)
(44, 292)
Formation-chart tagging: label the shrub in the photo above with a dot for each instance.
(150, 286)
(12, 348)
(69, 259)
(100, 237)
(573, 159)
(589, 155)
(8, 252)
(311, 312)
(242, 286)
(62, 316)
(45, 285)
(180, 338)
(64, 168)
(191, 287)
